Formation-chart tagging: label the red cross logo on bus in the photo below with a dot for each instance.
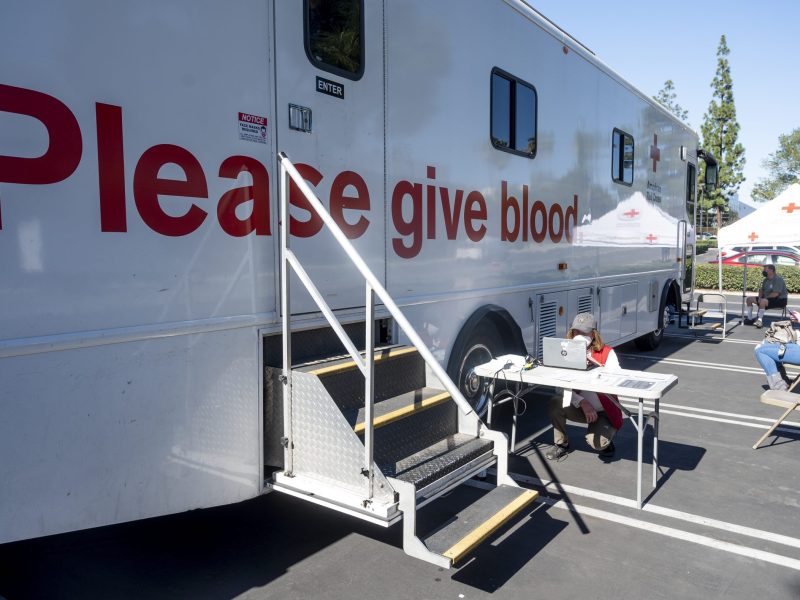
(655, 153)
(789, 208)
(651, 238)
(631, 213)
(753, 236)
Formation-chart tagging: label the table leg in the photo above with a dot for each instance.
(490, 396)
(514, 427)
(656, 422)
(640, 439)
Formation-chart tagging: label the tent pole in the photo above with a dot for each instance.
(744, 280)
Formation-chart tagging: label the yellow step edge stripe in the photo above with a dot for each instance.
(487, 528)
(403, 412)
(346, 366)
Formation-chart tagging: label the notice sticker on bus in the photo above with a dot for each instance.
(252, 128)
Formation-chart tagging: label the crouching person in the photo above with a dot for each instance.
(600, 411)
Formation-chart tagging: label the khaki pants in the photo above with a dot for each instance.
(598, 435)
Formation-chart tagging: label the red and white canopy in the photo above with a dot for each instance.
(776, 222)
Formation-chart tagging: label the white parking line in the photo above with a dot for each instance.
(696, 363)
(660, 510)
(781, 428)
(754, 553)
(715, 339)
(709, 411)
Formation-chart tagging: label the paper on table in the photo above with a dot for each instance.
(565, 377)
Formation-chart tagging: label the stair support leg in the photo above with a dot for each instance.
(501, 452)
(412, 545)
(369, 391)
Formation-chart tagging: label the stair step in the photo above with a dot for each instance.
(399, 407)
(398, 369)
(419, 431)
(436, 461)
(340, 364)
(479, 521)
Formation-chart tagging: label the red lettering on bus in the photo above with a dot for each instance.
(475, 211)
(451, 214)
(538, 214)
(65, 145)
(259, 218)
(339, 203)
(310, 227)
(111, 168)
(410, 227)
(508, 203)
(147, 186)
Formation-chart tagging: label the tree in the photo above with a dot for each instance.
(720, 131)
(783, 166)
(666, 97)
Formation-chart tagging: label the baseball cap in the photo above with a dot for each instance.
(584, 322)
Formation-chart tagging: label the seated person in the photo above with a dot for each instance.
(598, 410)
(773, 294)
(772, 356)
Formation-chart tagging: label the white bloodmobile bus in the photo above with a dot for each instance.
(493, 174)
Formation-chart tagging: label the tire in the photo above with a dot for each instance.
(651, 341)
(483, 344)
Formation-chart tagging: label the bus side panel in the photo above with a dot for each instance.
(150, 227)
(114, 433)
(146, 239)
(456, 204)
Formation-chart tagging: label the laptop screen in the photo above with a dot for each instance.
(564, 353)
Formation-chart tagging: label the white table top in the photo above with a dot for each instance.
(622, 382)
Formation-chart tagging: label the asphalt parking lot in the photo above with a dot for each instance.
(722, 523)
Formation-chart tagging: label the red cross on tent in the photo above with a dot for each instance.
(631, 213)
(753, 236)
(655, 153)
(789, 208)
(651, 238)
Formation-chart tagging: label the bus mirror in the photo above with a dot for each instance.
(711, 177)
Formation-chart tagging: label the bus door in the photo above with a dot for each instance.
(686, 244)
(330, 123)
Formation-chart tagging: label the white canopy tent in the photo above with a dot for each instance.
(776, 222)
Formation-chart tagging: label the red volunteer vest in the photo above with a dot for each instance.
(610, 407)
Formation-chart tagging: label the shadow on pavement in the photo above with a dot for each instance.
(212, 553)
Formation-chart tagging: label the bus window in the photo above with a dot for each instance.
(622, 157)
(334, 32)
(513, 114)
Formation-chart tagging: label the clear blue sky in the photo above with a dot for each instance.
(650, 42)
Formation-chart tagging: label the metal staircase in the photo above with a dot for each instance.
(379, 434)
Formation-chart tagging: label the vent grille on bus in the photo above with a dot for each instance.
(548, 314)
(585, 304)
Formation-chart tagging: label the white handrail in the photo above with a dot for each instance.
(374, 286)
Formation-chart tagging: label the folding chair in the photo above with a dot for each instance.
(785, 399)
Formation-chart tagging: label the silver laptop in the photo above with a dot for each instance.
(563, 353)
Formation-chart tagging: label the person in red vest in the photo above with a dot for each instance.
(600, 411)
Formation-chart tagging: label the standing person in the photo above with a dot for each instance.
(772, 294)
(600, 411)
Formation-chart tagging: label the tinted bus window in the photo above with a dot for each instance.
(335, 36)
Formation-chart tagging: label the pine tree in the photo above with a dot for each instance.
(666, 96)
(720, 131)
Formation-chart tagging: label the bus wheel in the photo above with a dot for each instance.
(652, 340)
(482, 345)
